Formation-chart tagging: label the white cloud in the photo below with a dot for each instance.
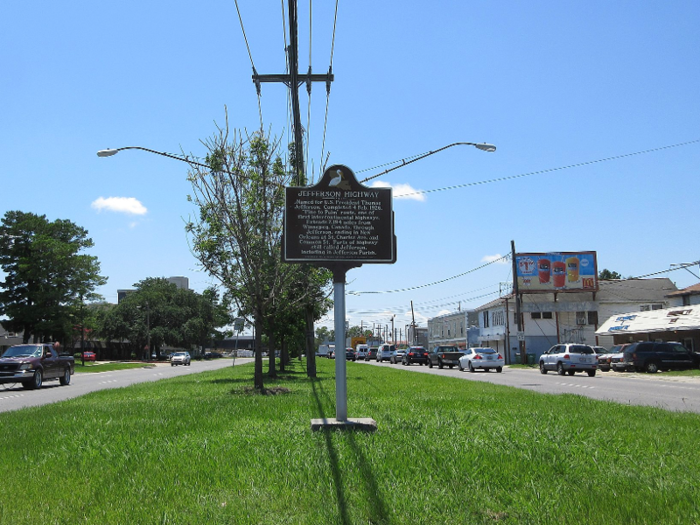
(401, 191)
(128, 205)
(492, 258)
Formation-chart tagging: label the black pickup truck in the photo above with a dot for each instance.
(32, 364)
(444, 356)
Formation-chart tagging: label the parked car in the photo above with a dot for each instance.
(89, 356)
(654, 356)
(617, 358)
(569, 358)
(603, 356)
(180, 358)
(361, 352)
(398, 356)
(371, 353)
(482, 357)
(415, 354)
(212, 355)
(350, 355)
(384, 352)
(444, 356)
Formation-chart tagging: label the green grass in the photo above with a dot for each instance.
(202, 449)
(107, 367)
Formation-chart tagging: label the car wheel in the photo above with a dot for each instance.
(35, 381)
(430, 364)
(65, 380)
(560, 369)
(172, 364)
(461, 368)
(571, 372)
(591, 373)
(651, 367)
(543, 370)
(439, 364)
(499, 369)
(471, 368)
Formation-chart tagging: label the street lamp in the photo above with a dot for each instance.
(490, 148)
(109, 152)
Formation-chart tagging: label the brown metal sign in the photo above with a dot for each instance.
(339, 220)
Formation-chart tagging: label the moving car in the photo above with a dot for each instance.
(444, 356)
(384, 352)
(350, 355)
(569, 358)
(89, 356)
(32, 364)
(361, 352)
(481, 357)
(371, 353)
(415, 354)
(180, 358)
(398, 356)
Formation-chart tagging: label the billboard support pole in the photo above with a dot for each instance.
(518, 316)
(341, 381)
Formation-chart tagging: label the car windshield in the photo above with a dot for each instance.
(23, 351)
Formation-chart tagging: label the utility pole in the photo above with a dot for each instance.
(293, 80)
(521, 344)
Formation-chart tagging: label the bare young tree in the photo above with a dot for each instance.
(237, 236)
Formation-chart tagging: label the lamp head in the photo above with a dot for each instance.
(107, 152)
(486, 147)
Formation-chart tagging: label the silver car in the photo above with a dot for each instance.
(569, 358)
(484, 358)
(180, 358)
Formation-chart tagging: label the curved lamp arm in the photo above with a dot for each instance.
(109, 152)
(490, 148)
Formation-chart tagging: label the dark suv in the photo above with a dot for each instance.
(651, 357)
(415, 354)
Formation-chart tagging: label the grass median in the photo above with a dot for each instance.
(203, 448)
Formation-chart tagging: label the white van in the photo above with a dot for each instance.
(361, 351)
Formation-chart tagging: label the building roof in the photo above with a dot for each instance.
(666, 320)
(634, 290)
(690, 290)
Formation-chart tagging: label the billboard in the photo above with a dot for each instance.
(557, 272)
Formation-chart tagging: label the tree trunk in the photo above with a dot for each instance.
(271, 369)
(310, 350)
(258, 380)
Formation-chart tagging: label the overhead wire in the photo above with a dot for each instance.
(502, 258)
(322, 162)
(308, 90)
(250, 55)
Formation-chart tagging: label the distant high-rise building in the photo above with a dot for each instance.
(183, 283)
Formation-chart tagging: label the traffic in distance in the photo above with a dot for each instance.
(564, 359)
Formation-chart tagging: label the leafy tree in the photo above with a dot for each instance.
(47, 278)
(159, 313)
(606, 274)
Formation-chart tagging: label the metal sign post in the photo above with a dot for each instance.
(339, 224)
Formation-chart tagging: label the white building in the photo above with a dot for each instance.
(552, 318)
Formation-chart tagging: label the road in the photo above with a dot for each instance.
(14, 397)
(657, 390)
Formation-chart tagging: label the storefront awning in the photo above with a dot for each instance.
(667, 320)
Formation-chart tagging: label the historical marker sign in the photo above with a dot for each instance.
(339, 220)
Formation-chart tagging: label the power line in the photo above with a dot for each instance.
(322, 163)
(549, 170)
(503, 258)
(250, 55)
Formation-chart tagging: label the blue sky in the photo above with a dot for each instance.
(551, 84)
